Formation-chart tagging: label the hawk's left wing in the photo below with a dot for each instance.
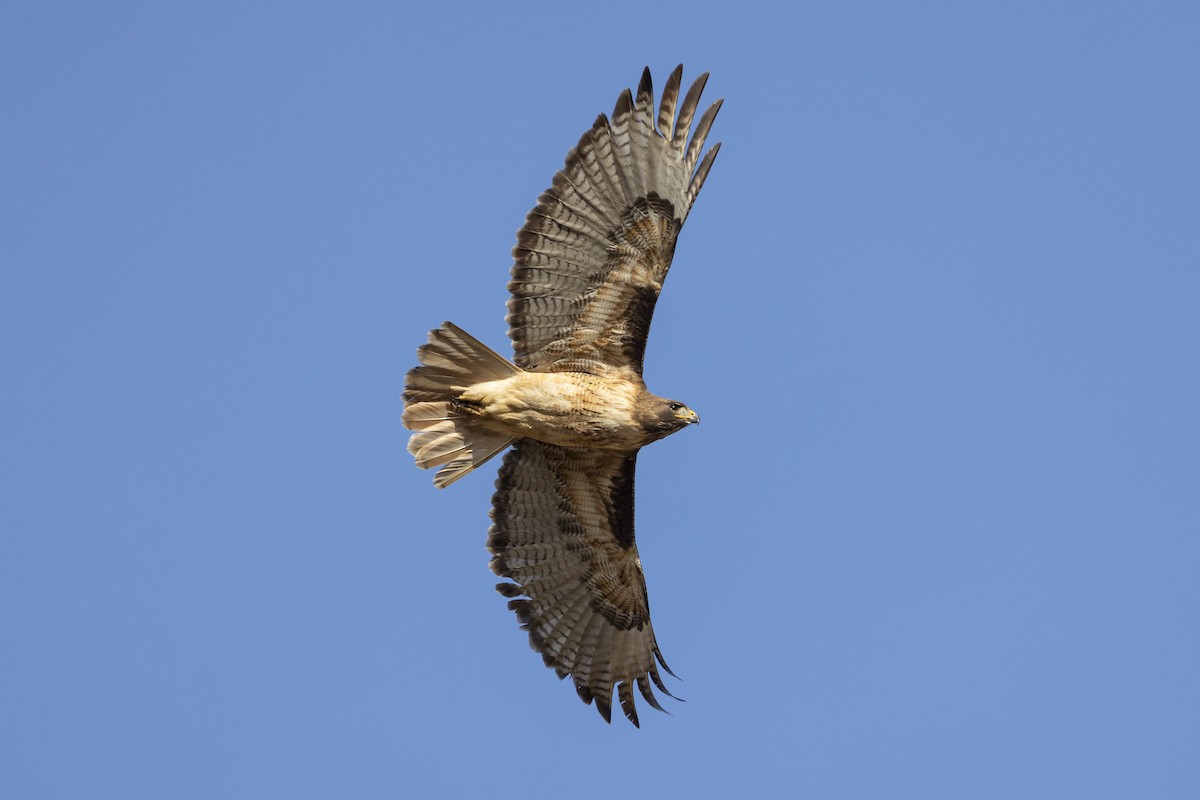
(563, 532)
(592, 256)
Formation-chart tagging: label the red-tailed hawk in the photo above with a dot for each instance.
(590, 263)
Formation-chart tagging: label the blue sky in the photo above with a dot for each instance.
(937, 536)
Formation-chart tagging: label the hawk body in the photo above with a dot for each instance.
(575, 409)
(590, 263)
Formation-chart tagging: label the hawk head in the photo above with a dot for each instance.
(661, 417)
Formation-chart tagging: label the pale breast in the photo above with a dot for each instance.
(564, 408)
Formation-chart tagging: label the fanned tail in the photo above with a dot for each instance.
(446, 435)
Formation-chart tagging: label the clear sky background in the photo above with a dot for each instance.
(938, 306)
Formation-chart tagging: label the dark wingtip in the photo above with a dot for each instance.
(648, 694)
(510, 589)
(663, 663)
(625, 693)
(624, 104)
(604, 706)
(646, 85)
(662, 687)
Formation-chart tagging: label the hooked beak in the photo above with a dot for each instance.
(688, 416)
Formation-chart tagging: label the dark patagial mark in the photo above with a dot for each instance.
(620, 502)
(638, 315)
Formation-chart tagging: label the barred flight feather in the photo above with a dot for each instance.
(582, 232)
(577, 584)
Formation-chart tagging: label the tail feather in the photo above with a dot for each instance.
(422, 416)
(457, 444)
(446, 436)
(451, 361)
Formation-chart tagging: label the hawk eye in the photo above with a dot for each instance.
(674, 406)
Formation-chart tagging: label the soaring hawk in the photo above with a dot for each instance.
(589, 265)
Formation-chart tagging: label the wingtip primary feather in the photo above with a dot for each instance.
(645, 88)
(701, 134)
(625, 695)
(687, 112)
(624, 105)
(604, 706)
(670, 97)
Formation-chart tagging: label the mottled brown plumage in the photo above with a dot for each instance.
(589, 265)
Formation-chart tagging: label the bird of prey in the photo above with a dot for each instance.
(589, 265)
